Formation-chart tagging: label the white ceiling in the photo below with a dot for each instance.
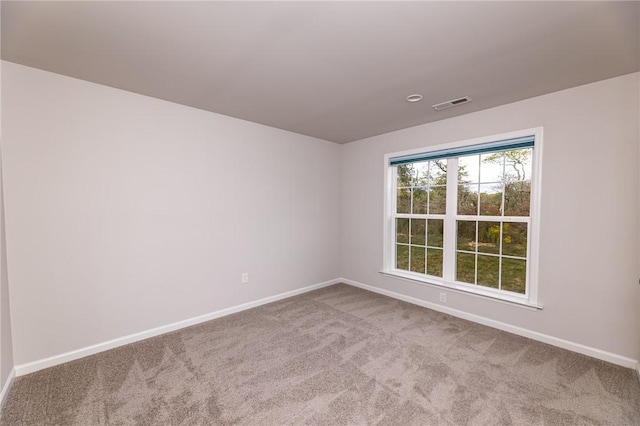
(334, 70)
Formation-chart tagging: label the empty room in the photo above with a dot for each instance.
(336, 213)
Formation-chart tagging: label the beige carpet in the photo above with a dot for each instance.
(339, 355)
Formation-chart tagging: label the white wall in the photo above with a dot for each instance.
(126, 213)
(589, 221)
(6, 343)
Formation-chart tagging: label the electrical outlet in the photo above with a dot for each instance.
(443, 297)
(245, 278)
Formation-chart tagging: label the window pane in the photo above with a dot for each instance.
(404, 201)
(518, 164)
(468, 199)
(405, 175)
(514, 272)
(434, 262)
(488, 270)
(491, 199)
(402, 257)
(466, 267)
(469, 169)
(421, 177)
(402, 230)
(419, 201)
(492, 167)
(418, 231)
(435, 232)
(489, 237)
(514, 239)
(417, 259)
(466, 235)
(517, 198)
(437, 200)
(438, 172)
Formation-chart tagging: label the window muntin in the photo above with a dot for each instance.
(465, 221)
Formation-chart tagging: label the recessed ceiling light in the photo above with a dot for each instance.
(414, 98)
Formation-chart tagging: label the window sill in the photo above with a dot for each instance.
(515, 300)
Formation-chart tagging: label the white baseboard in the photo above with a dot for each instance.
(7, 386)
(31, 367)
(545, 338)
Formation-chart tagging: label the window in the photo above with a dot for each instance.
(464, 215)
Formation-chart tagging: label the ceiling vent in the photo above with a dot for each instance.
(452, 103)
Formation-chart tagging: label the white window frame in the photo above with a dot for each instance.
(530, 298)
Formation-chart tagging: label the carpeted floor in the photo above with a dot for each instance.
(339, 355)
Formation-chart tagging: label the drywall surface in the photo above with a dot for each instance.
(126, 213)
(589, 218)
(6, 343)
